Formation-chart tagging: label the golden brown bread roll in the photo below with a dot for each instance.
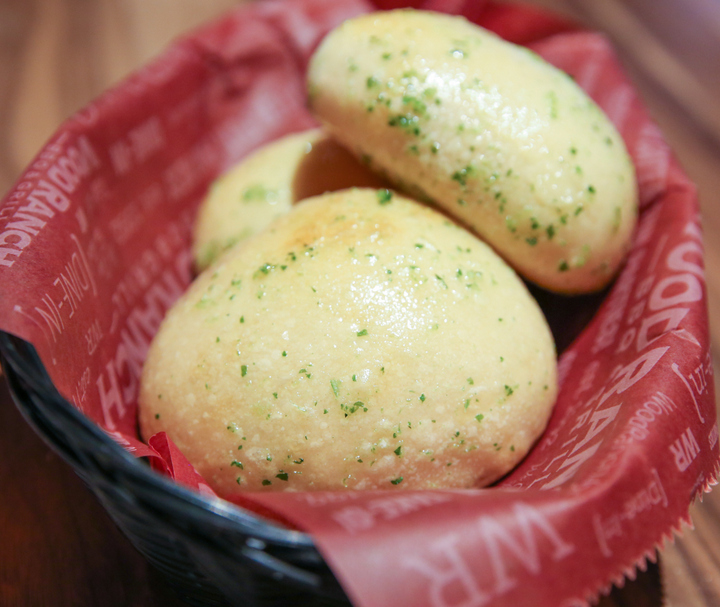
(361, 341)
(265, 184)
(493, 134)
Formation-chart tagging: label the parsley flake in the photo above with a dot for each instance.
(335, 385)
(384, 196)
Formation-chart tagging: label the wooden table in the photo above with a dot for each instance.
(57, 545)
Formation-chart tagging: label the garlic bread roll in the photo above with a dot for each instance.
(264, 186)
(362, 341)
(489, 131)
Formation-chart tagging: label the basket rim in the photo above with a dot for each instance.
(20, 358)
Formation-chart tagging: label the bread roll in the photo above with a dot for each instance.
(264, 186)
(362, 341)
(488, 130)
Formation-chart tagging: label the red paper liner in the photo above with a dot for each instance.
(94, 249)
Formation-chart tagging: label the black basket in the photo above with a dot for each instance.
(211, 551)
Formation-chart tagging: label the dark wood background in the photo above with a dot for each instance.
(57, 545)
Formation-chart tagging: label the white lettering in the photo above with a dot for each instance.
(676, 369)
(685, 449)
(629, 375)
(454, 584)
(690, 291)
(598, 422)
(507, 546)
(570, 464)
(672, 318)
(677, 260)
(524, 549)
(123, 371)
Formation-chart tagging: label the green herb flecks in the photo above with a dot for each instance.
(407, 122)
(356, 406)
(264, 269)
(415, 104)
(553, 101)
(258, 193)
(384, 196)
(463, 175)
(335, 385)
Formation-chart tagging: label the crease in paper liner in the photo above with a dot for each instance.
(295, 27)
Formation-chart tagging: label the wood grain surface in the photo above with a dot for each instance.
(57, 545)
